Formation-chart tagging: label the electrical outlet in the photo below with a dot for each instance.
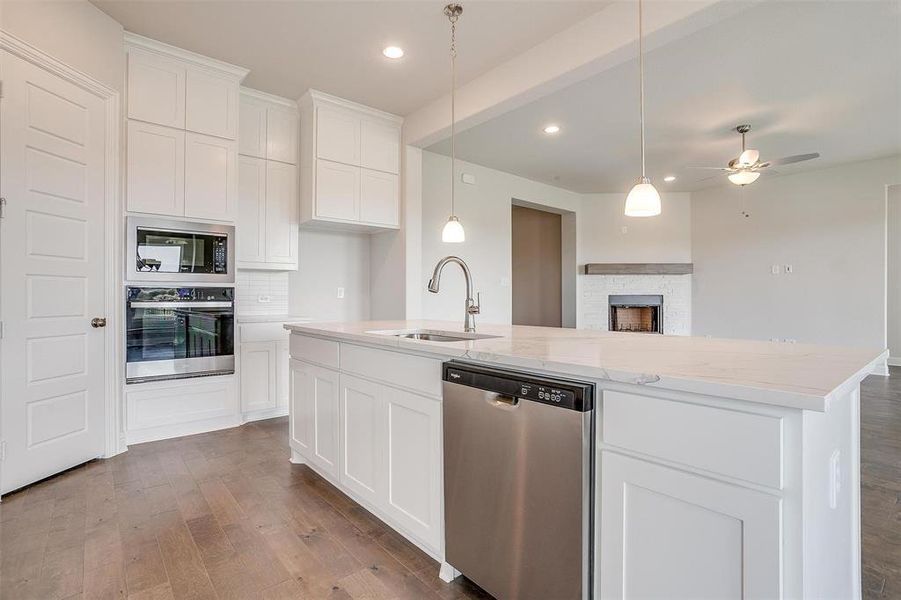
(775, 269)
(791, 341)
(788, 269)
(340, 293)
(468, 178)
(625, 229)
(264, 299)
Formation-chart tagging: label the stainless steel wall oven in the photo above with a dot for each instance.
(172, 333)
(162, 250)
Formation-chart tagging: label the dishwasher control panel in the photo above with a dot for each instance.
(572, 395)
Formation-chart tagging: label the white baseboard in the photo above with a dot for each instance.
(881, 368)
(894, 361)
(269, 413)
(165, 432)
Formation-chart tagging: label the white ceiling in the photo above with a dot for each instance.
(335, 46)
(808, 76)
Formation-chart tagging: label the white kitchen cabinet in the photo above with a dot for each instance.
(363, 435)
(666, 533)
(314, 415)
(379, 197)
(338, 135)
(282, 374)
(156, 89)
(211, 104)
(350, 164)
(337, 191)
(252, 117)
(210, 177)
(155, 169)
(281, 134)
(415, 471)
(379, 146)
(258, 376)
(251, 238)
(281, 214)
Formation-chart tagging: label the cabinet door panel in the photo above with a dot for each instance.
(669, 534)
(338, 136)
(210, 177)
(155, 169)
(301, 408)
(252, 127)
(282, 373)
(379, 146)
(281, 135)
(156, 89)
(282, 213)
(251, 240)
(378, 197)
(325, 420)
(414, 469)
(258, 376)
(362, 438)
(337, 191)
(211, 104)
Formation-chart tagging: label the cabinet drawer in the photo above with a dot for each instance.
(418, 373)
(263, 332)
(314, 350)
(737, 444)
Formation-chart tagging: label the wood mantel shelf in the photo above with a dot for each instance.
(639, 268)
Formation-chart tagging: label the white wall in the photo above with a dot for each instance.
(485, 211)
(828, 224)
(893, 208)
(329, 260)
(72, 31)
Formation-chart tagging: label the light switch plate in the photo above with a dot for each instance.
(340, 292)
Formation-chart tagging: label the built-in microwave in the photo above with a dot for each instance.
(163, 250)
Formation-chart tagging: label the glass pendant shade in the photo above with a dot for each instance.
(748, 157)
(643, 200)
(453, 231)
(744, 177)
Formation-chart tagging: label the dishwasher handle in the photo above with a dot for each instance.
(562, 393)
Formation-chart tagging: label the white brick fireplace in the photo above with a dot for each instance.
(596, 290)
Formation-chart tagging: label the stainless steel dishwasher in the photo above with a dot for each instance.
(518, 472)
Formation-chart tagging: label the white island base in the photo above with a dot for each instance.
(724, 469)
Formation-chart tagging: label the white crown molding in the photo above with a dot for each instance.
(266, 97)
(26, 51)
(133, 40)
(316, 97)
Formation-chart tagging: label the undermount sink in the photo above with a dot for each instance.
(430, 335)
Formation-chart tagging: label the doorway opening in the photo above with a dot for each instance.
(537, 280)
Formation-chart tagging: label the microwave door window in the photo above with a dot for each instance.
(174, 252)
(163, 259)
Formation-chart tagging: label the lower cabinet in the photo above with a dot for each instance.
(385, 442)
(264, 370)
(665, 533)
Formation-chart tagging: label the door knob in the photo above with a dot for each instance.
(98, 322)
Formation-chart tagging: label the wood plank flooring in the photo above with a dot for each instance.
(217, 515)
(225, 515)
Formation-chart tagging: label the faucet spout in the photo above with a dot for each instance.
(435, 282)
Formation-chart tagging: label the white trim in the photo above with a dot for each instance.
(316, 97)
(133, 40)
(112, 216)
(894, 361)
(263, 414)
(271, 98)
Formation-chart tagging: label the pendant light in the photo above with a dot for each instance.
(643, 200)
(453, 229)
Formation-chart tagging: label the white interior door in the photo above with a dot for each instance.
(51, 273)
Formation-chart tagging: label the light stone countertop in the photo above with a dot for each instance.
(801, 376)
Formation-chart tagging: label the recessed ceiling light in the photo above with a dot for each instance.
(669, 178)
(393, 52)
(552, 129)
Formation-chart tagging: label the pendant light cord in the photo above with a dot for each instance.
(641, 85)
(453, 53)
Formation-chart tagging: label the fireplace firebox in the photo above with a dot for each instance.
(640, 313)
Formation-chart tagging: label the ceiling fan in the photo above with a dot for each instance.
(746, 168)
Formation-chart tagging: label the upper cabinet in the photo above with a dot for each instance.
(267, 192)
(349, 164)
(182, 132)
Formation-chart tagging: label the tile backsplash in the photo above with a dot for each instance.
(261, 292)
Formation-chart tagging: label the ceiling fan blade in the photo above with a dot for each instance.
(713, 168)
(787, 160)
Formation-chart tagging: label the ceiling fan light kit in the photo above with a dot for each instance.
(643, 200)
(744, 177)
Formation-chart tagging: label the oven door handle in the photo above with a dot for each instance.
(151, 304)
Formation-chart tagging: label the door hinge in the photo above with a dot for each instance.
(2, 451)
(1, 88)
(1, 330)
(2, 207)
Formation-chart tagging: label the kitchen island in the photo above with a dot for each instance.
(724, 468)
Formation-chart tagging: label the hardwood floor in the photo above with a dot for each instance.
(216, 515)
(225, 515)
